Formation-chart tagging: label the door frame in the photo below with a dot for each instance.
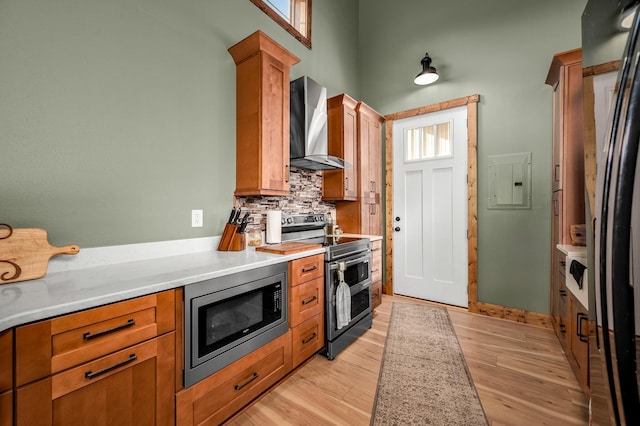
(472, 191)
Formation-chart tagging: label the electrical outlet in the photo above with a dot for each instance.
(197, 220)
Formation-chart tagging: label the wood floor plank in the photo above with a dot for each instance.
(521, 374)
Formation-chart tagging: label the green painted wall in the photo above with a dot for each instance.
(501, 50)
(118, 117)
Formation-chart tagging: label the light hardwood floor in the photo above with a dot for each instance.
(520, 372)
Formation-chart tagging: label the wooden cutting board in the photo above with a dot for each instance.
(288, 248)
(25, 253)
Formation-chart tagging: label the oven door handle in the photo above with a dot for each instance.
(362, 259)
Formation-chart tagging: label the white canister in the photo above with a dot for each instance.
(274, 226)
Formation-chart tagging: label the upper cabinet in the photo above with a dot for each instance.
(565, 76)
(364, 215)
(370, 150)
(262, 115)
(342, 184)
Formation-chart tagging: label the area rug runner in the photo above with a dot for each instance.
(424, 379)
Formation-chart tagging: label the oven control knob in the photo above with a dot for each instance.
(397, 229)
(289, 220)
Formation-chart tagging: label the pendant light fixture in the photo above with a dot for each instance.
(428, 74)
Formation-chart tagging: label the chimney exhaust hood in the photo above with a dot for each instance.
(309, 143)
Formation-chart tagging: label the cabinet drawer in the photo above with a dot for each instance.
(306, 269)
(51, 346)
(306, 300)
(308, 338)
(222, 394)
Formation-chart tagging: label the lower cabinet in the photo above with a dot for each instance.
(579, 330)
(111, 365)
(219, 396)
(376, 273)
(130, 387)
(570, 322)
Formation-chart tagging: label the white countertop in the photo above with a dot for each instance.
(67, 291)
(574, 251)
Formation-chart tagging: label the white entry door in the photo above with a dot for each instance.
(430, 258)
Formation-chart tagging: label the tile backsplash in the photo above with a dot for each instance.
(305, 197)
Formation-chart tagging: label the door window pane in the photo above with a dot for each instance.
(429, 142)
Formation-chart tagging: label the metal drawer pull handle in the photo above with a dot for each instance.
(91, 375)
(309, 300)
(579, 317)
(88, 335)
(313, 268)
(251, 379)
(313, 336)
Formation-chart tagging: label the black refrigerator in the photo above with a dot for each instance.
(617, 252)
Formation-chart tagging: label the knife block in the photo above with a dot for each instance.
(231, 240)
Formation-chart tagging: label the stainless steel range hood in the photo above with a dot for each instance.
(308, 127)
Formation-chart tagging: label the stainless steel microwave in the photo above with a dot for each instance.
(228, 317)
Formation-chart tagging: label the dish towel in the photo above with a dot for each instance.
(577, 270)
(343, 299)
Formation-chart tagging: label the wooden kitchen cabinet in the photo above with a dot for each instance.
(6, 378)
(364, 216)
(565, 76)
(342, 184)
(579, 335)
(109, 365)
(262, 115)
(219, 396)
(306, 306)
(568, 203)
(560, 300)
(376, 273)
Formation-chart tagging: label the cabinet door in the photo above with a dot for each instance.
(342, 133)
(6, 360)
(262, 115)
(580, 341)
(132, 387)
(6, 408)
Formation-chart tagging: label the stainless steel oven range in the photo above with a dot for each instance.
(353, 255)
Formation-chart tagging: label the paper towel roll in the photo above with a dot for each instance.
(274, 226)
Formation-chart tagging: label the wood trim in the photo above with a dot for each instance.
(454, 103)
(472, 192)
(302, 38)
(601, 68)
(515, 314)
